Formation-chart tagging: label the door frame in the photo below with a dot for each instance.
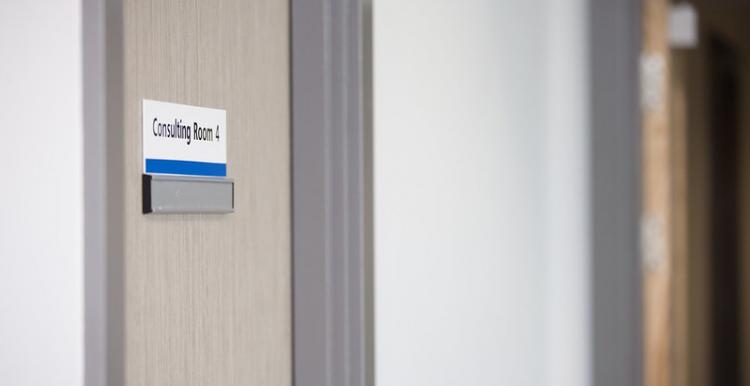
(331, 202)
(615, 41)
(332, 187)
(102, 87)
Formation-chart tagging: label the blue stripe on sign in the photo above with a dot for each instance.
(190, 168)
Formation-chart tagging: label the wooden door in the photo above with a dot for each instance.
(206, 298)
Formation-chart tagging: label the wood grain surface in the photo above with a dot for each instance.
(207, 298)
(657, 204)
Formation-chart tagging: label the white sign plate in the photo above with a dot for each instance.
(184, 140)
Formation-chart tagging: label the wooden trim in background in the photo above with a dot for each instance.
(656, 197)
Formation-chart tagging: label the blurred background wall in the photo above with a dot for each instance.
(41, 226)
(480, 192)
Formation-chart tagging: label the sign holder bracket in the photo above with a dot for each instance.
(180, 194)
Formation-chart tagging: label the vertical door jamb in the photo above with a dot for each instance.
(329, 199)
(614, 33)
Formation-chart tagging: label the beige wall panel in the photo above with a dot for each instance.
(207, 297)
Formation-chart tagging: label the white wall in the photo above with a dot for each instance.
(480, 149)
(41, 215)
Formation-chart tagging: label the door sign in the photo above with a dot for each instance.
(184, 140)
